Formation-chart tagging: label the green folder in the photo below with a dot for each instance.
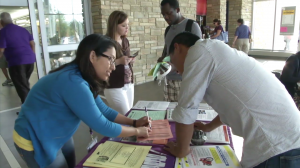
(155, 70)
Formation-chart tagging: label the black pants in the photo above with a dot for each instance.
(20, 75)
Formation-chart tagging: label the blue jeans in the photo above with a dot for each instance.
(65, 157)
(289, 159)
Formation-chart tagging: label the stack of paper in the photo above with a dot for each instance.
(218, 135)
(204, 106)
(154, 115)
(118, 155)
(209, 156)
(151, 105)
(172, 105)
(134, 139)
(155, 159)
(161, 130)
(203, 115)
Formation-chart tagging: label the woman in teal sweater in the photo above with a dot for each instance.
(58, 102)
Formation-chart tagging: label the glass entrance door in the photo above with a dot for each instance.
(60, 28)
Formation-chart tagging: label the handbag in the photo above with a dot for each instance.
(223, 36)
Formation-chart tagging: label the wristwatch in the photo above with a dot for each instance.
(199, 137)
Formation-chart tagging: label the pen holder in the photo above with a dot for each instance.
(199, 137)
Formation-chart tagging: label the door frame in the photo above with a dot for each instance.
(44, 48)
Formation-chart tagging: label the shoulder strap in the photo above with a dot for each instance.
(166, 31)
(189, 24)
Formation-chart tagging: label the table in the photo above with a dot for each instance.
(170, 159)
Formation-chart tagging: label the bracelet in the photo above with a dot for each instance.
(134, 123)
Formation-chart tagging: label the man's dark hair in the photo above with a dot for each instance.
(185, 38)
(173, 3)
(240, 20)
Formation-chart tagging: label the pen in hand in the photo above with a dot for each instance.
(148, 116)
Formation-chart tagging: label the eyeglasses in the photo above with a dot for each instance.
(112, 61)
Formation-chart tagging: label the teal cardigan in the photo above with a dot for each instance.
(53, 110)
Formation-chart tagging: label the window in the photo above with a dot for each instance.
(263, 24)
(58, 59)
(64, 21)
(267, 22)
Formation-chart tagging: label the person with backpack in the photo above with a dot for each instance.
(177, 24)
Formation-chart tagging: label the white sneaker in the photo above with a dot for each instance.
(7, 83)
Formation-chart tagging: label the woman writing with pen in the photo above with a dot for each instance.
(69, 94)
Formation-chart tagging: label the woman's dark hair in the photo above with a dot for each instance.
(185, 38)
(217, 21)
(240, 20)
(173, 3)
(93, 42)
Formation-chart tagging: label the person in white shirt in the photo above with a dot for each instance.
(246, 97)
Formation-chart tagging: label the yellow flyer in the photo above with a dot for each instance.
(118, 155)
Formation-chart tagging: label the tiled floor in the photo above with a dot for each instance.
(8, 95)
(148, 91)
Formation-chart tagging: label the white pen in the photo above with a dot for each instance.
(161, 158)
(148, 116)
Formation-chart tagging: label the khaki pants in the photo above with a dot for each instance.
(171, 91)
(242, 45)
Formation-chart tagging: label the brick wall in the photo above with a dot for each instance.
(216, 9)
(147, 28)
(238, 9)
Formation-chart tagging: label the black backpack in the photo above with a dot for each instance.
(188, 26)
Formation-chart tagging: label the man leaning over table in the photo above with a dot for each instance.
(247, 98)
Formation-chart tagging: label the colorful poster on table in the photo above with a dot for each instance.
(209, 156)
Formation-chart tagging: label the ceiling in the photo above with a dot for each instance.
(15, 11)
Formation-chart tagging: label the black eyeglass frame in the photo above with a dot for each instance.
(112, 61)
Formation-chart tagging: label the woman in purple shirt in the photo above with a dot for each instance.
(218, 29)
